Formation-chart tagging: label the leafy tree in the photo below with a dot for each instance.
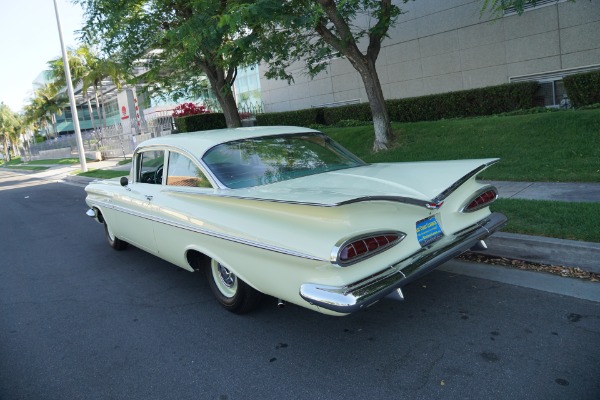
(314, 31)
(176, 41)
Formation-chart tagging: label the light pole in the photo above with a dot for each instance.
(71, 94)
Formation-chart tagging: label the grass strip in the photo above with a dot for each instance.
(103, 173)
(27, 167)
(563, 220)
(58, 161)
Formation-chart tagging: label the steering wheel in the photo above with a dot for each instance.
(158, 175)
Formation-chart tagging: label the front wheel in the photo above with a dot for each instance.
(112, 240)
(233, 293)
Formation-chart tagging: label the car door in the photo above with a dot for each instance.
(139, 216)
(182, 214)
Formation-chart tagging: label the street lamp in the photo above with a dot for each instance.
(71, 94)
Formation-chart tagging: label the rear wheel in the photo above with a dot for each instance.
(112, 240)
(233, 293)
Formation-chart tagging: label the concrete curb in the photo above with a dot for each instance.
(80, 180)
(572, 287)
(570, 253)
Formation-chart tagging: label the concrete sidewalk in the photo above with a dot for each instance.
(571, 192)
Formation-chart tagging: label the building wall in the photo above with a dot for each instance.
(441, 46)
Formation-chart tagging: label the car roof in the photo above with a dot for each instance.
(198, 143)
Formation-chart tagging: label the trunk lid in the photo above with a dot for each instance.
(413, 182)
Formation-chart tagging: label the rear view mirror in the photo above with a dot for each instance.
(124, 181)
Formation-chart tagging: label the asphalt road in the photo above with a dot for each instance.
(79, 320)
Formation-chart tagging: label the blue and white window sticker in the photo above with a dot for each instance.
(428, 231)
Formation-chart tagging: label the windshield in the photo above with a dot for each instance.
(263, 160)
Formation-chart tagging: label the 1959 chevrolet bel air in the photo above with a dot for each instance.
(287, 212)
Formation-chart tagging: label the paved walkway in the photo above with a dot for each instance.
(572, 192)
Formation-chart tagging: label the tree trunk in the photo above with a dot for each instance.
(6, 152)
(98, 105)
(227, 103)
(346, 44)
(381, 118)
(89, 104)
(221, 85)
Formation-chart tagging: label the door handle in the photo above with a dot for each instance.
(148, 197)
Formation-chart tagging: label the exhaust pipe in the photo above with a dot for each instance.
(280, 303)
(396, 295)
(479, 246)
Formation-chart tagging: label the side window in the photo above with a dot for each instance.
(150, 166)
(183, 172)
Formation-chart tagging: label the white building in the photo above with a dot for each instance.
(442, 46)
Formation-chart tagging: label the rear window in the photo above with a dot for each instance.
(263, 160)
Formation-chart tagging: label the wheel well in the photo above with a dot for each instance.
(197, 260)
(99, 216)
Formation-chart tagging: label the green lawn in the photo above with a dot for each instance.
(102, 173)
(548, 147)
(575, 221)
(27, 167)
(61, 161)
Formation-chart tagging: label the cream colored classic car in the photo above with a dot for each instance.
(287, 212)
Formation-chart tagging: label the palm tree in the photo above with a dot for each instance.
(98, 69)
(47, 102)
(9, 129)
(89, 70)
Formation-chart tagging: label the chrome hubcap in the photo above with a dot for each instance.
(225, 280)
(226, 276)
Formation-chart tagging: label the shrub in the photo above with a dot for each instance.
(583, 89)
(187, 109)
(466, 103)
(306, 117)
(200, 122)
(357, 112)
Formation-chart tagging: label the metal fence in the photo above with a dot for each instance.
(116, 141)
(110, 142)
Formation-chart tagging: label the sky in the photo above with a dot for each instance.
(28, 40)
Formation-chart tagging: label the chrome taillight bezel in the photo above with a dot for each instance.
(342, 244)
(478, 193)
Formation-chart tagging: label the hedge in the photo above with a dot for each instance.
(200, 122)
(309, 116)
(583, 89)
(465, 103)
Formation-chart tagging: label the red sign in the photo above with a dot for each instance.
(124, 113)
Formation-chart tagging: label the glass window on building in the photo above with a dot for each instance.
(247, 88)
(552, 93)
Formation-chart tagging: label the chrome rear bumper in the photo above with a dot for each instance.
(361, 294)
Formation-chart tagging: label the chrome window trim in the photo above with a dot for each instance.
(208, 232)
(342, 149)
(398, 199)
(198, 161)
